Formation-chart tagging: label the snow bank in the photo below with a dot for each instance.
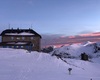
(23, 33)
(18, 64)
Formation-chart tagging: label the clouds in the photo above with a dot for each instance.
(90, 34)
(86, 32)
(58, 40)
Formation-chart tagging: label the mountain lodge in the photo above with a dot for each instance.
(20, 39)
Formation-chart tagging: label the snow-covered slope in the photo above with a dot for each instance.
(21, 65)
(75, 50)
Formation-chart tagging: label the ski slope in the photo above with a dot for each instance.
(18, 64)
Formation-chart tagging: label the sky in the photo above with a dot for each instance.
(58, 41)
(67, 17)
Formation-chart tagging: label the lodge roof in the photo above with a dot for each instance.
(19, 31)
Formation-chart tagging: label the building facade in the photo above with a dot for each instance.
(21, 39)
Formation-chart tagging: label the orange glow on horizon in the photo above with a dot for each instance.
(62, 36)
(71, 37)
(69, 40)
(90, 34)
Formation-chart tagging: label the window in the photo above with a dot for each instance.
(22, 46)
(18, 38)
(17, 46)
(32, 38)
(7, 46)
(32, 44)
(12, 46)
(23, 38)
(12, 38)
(4, 46)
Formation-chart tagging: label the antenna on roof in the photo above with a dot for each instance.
(31, 26)
(9, 26)
(18, 28)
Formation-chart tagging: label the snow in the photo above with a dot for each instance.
(76, 50)
(16, 43)
(18, 64)
(23, 33)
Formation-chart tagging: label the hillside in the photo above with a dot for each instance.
(21, 65)
(75, 50)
